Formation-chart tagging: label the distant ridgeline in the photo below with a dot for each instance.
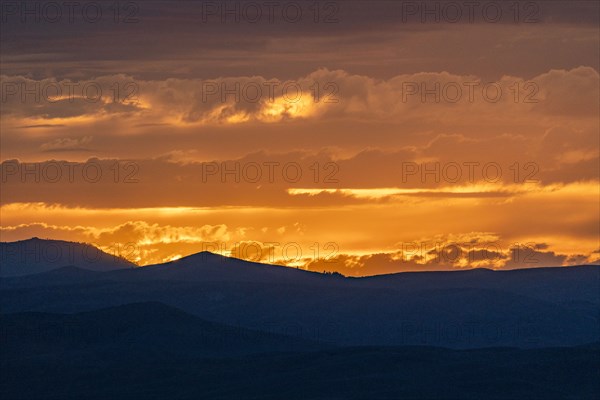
(88, 325)
(528, 308)
(38, 255)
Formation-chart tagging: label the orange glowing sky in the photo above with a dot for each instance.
(353, 169)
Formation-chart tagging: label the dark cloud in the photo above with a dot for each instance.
(170, 39)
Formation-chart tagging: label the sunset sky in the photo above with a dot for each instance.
(366, 137)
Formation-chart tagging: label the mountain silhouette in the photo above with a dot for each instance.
(91, 372)
(36, 255)
(134, 331)
(206, 266)
(533, 308)
(208, 326)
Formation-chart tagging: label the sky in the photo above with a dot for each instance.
(361, 137)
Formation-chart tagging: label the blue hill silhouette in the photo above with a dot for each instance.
(191, 327)
(36, 255)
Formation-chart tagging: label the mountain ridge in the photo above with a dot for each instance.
(35, 255)
(210, 259)
(131, 331)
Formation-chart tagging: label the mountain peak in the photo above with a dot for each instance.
(37, 255)
(203, 256)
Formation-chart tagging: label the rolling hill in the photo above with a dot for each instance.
(36, 255)
(533, 308)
